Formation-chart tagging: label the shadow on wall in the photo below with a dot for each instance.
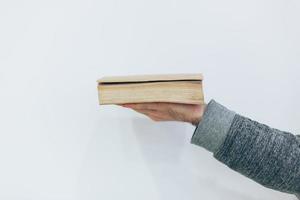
(162, 147)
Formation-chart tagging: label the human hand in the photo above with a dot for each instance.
(161, 111)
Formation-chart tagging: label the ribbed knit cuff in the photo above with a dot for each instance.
(211, 131)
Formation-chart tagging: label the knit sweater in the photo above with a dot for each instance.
(266, 155)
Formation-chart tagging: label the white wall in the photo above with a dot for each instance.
(57, 143)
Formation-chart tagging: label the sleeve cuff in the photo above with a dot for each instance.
(211, 131)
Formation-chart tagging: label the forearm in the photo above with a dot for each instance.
(268, 156)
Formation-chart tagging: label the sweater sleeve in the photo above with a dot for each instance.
(266, 155)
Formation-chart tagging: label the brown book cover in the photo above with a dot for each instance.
(173, 88)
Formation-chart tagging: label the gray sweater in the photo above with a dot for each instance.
(266, 155)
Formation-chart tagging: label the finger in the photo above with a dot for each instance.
(143, 106)
(152, 114)
(146, 111)
(137, 109)
(127, 105)
(154, 118)
(156, 113)
(151, 106)
(123, 105)
(159, 118)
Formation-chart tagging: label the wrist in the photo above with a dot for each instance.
(198, 114)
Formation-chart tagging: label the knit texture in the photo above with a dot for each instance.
(266, 155)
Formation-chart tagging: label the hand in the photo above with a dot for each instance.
(161, 111)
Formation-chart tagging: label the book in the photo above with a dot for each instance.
(172, 88)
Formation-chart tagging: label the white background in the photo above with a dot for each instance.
(57, 143)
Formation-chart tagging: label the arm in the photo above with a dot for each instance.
(268, 156)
